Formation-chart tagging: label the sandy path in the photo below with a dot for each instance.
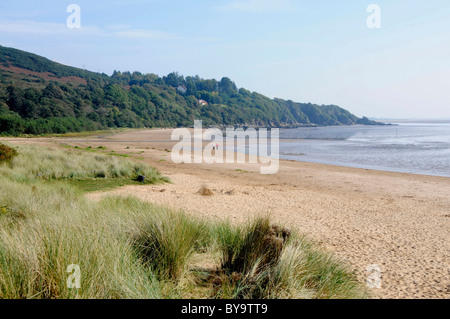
(397, 221)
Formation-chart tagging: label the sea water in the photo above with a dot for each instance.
(420, 148)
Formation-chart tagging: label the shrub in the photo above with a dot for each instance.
(7, 154)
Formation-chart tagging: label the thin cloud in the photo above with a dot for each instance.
(256, 6)
(43, 28)
(118, 27)
(48, 29)
(147, 34)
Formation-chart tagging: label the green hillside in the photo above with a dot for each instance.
(39, 96)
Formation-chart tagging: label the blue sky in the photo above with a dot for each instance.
(308, 51)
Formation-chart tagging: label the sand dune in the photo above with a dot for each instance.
(397, 221)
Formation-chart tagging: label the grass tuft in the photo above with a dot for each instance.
(261, 261)
(166, 242)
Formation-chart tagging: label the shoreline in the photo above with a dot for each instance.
(399, 221)
(107, 137)
(369, 168)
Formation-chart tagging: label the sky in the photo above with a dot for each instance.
(318, 51)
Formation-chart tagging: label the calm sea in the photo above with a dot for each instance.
(420, 148)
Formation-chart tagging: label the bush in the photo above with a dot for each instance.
(7, 154)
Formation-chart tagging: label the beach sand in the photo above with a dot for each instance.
(397, 221)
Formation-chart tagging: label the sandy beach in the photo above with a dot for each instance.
(398, 221)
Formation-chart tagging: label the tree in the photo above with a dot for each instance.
(227, 86)
(174, 79)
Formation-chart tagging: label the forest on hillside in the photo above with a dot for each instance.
(38, 96)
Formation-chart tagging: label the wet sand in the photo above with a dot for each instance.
(398, 221)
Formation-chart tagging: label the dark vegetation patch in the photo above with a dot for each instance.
(7, 154)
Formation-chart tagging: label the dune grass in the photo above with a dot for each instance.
(45, 229)
(70, 164)
(127, 248)
(101, 184)
(261, 260)
(105, 132)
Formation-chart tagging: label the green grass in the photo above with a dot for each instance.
(109, 131)
(166, 242)
(127, 248)
(55, 231)
(120, 155)
(102, 184)
(261, 260)
(73, 164)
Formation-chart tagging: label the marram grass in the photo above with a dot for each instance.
(58, 164)
(127, 248)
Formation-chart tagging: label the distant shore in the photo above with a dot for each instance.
(398, 221)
